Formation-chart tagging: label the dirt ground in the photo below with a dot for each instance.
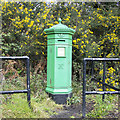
(75, 111)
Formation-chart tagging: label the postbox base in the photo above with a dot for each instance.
(60, 98)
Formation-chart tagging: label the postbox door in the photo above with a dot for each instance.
(63, 67)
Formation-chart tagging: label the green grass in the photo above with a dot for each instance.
(16, 106)
(103, 108)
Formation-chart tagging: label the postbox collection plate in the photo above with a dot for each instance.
(61, 52)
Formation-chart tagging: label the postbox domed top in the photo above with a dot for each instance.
(59, 28)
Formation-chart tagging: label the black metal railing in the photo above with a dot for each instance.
(28, 76)
(117, 91)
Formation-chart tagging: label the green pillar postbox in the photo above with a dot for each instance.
(59, 62)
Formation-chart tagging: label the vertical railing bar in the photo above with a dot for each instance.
(28, 81)
(103, 86)
(119, 94)
(92, 69)
(84, 89)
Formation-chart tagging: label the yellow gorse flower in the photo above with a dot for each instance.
(111, 70)
(101, 72)
(31, 24)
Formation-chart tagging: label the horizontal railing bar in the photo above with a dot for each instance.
(13, 57)
(13, 91)
(102, 92)
(102, 59)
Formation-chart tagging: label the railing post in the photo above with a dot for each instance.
(28, 81)
(103, 85)
(84, 89)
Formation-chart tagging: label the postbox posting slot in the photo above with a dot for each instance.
(61, 40)
(61, 52)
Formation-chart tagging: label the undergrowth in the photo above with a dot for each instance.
(16, 106)
(102, 109)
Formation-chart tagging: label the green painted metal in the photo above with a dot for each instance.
(59, 59)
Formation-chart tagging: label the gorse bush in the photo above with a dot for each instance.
(112, 76)
(96, 26)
